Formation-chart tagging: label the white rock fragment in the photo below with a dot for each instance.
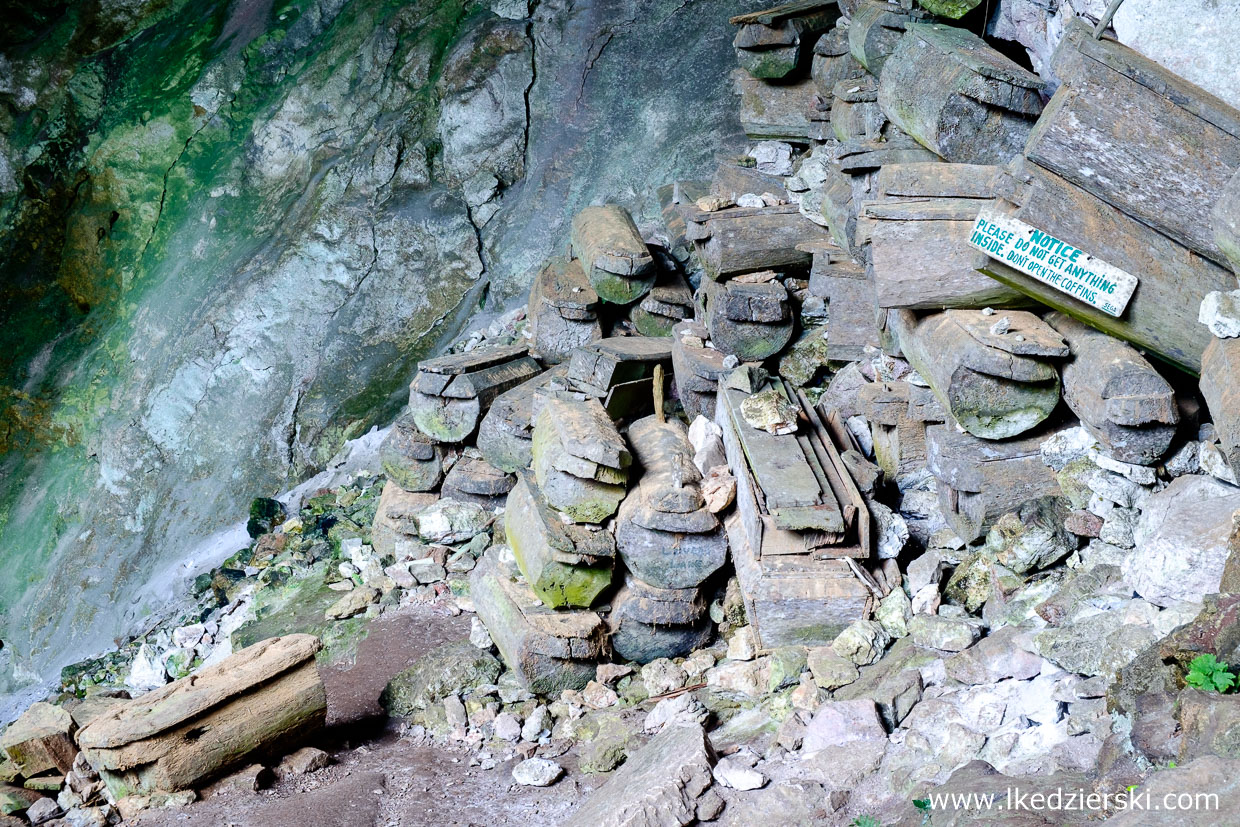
(1220, 312)
(537, 772)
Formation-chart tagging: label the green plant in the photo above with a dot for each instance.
(1206, 672)
(864, 821)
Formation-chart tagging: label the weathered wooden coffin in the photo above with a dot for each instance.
(981, 480)
(564, 564)
(265, 697)
(562, 310)
(874, 30)
(40, 741)
(855, 112)
(899, 414)
(600, 367)
(476, 480)
(777, 42)
(833, 62)
(667, 559)
(1220, 386)
(774, 111)
(505, 434)
(918, 231)
(669, 302)
(549, 650)
(697, 369)
(959, 97)
(410, 458)
(995, 385)
(580, 460)
(747, 239)
(794, 494)
(852, 304)
(1226, 217)
(648, 623)
(861, 155)
(616, 261)
(1119, 397)
(1161, 317)
(1139, 137)
(749, 321)
(452, 393)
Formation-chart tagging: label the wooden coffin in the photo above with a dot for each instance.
(777, 43)
(580, 460)
(1138, 137)
(697, 369)
(1119, 397)
(833, 62)
(613, 255)
(451, 394)
(668, 303)
(562, 310)
(959, 97)
(774, 111)
(410, 458)
(549, 650)
(476, 480)
(874, 30)
(648, 623)
(749, 321)
(981, 480)
(1161, 316)
(40, 741)
(995, 386)
(265, 698)
(506, 432)
(852, 304)
(747, 239)
(1226, 219)
(899, 414)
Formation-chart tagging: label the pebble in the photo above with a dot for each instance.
(537, 772)
(733, 773)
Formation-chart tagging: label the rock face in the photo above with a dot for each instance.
(232, 260)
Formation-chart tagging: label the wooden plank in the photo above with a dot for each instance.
(1220, 386)
(454, 364)
(1118, 396)
(773, 15)
(584, 430)
(939, 180)
(1226, 222)
(1097, 132)
(489, 382)
(1161, 317)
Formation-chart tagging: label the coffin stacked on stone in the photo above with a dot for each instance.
(667, 304)
(410, 458)
(562, 310)
(506, 433)
(800, 523)
(749, 319)
(899, 413)
(581, 461)
(473, 479)
(620, 372)
(698, 369)
(849, 293)
(774, 43)
(451, 394)
(613, 255)
(670, 543)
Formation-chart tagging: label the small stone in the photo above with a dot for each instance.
(451, 521)
(399, 574)
(838, 723)
(948, 634)
(478, 634)
(662, 676)
(893, 531)
(598, 696)
(1220, 312)
(894, 613)
(772, 157)
(427, 571)
(537, 772)
(734, 774)
(679, 709)
(353, 603)
(302, 762)
(770, 411)
(750, 200)
(862, 642)
(927, 600)
(714, 203)
(147, 670)
(830, 670)
(43, 810)
(508, 728)
(719, 491)
(455, 714)
(697, 663)
(537, 724)
(743, 645)
(609, 673)
(187, 637)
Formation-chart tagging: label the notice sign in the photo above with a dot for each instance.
(1055, 262)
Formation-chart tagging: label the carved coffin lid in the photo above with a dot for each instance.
(584, 430)
(562, 284)
(455, 364)
(189, 698)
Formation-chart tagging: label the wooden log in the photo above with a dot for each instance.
(665, 559)
(778, 42)
(748, 340)
(648, 623)
(599, 366)
(833, 62)
(565, 565)
(562, 310)
(980, 480)
(1220, 386)
(1114, 104)
(851, 301)
(861, 155)
(957, 96)
(40, 741)
(697, 369)
(449, 411)
(1226, 220)
(616, 261)
(899, 414)
(874, 30)
(774, 111)
(266, 697)
(1161, 317)
(506, 432)
(476, 480)
(939, 180)
(1119, 397)
(741, 240)
(993, 385)
(549, 651)
(855, 112)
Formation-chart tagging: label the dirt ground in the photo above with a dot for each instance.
(379, 778)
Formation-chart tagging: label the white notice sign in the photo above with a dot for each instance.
(1053, 261)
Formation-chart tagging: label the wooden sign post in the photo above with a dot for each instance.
(1050, 260)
